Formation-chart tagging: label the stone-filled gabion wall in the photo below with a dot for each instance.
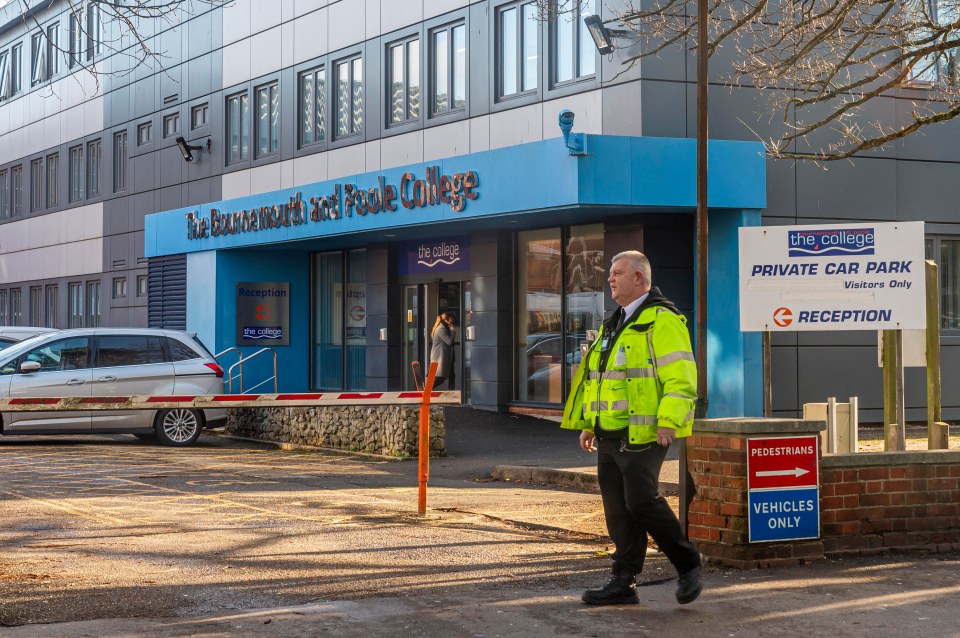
(391, 430)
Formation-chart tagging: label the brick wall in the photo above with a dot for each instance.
(869, 503)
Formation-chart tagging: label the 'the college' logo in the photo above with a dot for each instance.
(833, 241)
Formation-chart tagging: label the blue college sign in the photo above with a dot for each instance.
(438, 255)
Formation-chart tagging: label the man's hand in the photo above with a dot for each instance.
(665, 436)
(587, 440)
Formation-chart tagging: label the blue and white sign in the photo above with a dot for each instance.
(832, 277)
(784, 514)
(437, 255)
(263, 313)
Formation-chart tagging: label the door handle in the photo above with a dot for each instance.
(107, 379)
(76, 382)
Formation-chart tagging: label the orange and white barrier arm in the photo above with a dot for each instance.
(214, 401)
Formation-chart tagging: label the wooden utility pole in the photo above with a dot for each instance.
(938, 432)
(894, 427)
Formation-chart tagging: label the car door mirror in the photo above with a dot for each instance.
(30, 366)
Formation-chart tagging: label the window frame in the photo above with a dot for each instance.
(321, 101)
(199, 108)
(119, 288)
(579, 37)
(120, 161)
(404, 42)
(53, 50)
(144, 127)
(166, 122)
(4, 194)
(38, 58)
(350, 59)
(76, 174)
(241, 158)
(37, 184)
(936, 240)
(75, 304)
(275, 112)
(16, 190)
(521, 96)
(432, 32)
(52, 175)
(93, 169)
(16, 68)
(51, 305)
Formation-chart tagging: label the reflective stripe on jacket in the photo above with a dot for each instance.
(651, 384)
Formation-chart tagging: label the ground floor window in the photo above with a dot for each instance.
(946, 252)
(561, 279)
(339, 320)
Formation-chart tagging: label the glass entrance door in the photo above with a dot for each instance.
(411, 346)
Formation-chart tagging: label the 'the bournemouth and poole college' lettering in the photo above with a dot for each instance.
(346, 200)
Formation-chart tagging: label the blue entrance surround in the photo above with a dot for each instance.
(645, 174)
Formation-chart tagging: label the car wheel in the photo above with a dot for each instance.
(178, 427)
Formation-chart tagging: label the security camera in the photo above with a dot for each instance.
(565, 120)
(573, 141)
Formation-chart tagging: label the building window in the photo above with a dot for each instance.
(16, 68)
(946, 252)
(36, 185)
(349, 97)
(171, 125)
(16, 311)
(4, 309)
(53, 180)
(36, 306)
(559, 270)
(94, 155)
(142, 285)
(120, 161)
(449, 69)
(4, 75)
(93, 304)
(268, 119)
(53, 50)
(16, 190)
(199, 115)
(517, 49)
(119, 287)
(50, 307)
(340, 324)
(38, 58)
(403, 88)
(74, 54)
(94, 31)
(75, 298)
(144, 133)
(75, 176)
(313, 107)
(238, 128)
(574, 53)
(4, 196)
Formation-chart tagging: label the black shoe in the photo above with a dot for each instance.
(620, 590)
(689, 586)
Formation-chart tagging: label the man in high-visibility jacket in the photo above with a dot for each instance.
(634, 395)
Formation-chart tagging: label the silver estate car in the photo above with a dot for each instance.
(111, 362)
(13, 334)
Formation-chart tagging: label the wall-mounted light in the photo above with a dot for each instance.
(602, 36)
(187, 149)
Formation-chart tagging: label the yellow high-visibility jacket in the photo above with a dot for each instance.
(649, 380)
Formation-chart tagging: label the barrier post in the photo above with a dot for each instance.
(424, 447)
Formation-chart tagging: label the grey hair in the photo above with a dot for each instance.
(639, 261)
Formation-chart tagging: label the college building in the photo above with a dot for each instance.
(323, 177)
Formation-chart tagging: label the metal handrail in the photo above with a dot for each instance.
(240, 363)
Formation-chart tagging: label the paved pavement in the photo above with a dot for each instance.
(526, 584)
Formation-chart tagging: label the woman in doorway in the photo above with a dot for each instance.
(442, 349)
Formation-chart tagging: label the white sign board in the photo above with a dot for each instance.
(832, 277)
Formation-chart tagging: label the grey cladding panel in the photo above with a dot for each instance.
(623, 109)
(864, 190)
(928, 191)
(663, 109)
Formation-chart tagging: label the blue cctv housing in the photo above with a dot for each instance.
(575, 141)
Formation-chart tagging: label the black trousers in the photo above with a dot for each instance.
(629, 484)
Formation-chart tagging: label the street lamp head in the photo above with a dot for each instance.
(600, 34)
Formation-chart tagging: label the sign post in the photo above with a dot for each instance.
(783, 488)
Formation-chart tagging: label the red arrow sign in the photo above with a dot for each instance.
(782, 317)
(789, 461)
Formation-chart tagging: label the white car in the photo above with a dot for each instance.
(107, 362)
(12, 334)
